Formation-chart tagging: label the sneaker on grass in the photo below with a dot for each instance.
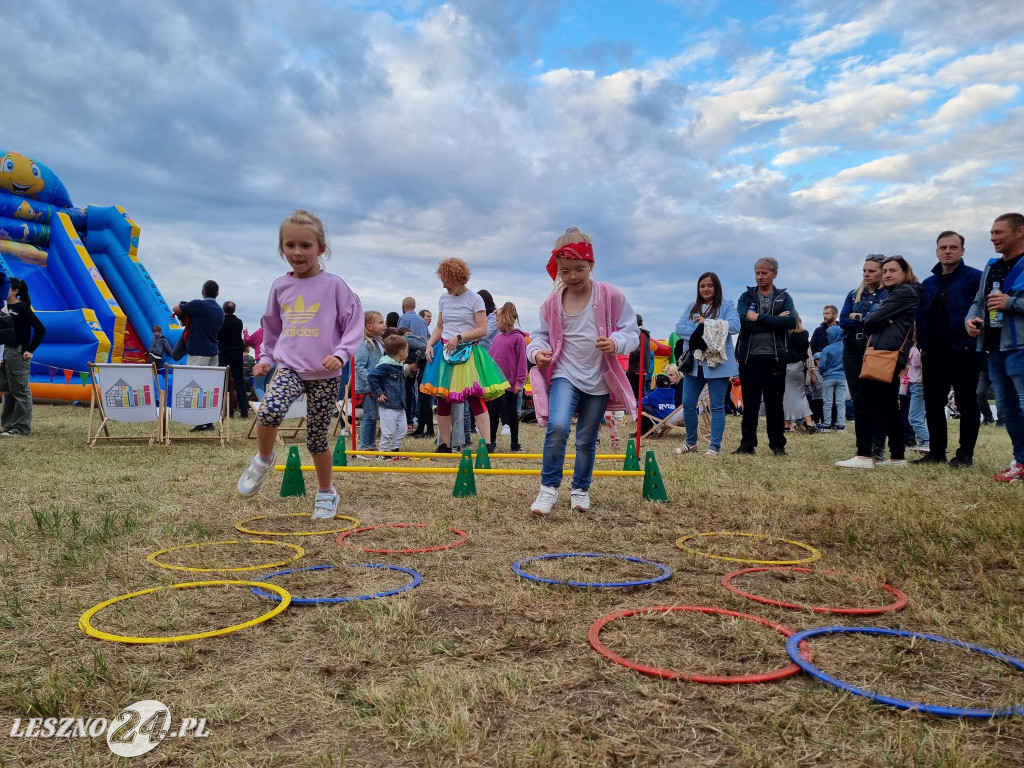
(325, 505)
(1013, 472)
(545, 501)
(857, 462)
(254, 475)
(579, 500)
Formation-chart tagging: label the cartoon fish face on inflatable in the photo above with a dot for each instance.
(22, 176)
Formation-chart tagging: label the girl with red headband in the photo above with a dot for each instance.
(584, 324)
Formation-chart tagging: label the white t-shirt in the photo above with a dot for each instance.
(459, 312)
(580, 361)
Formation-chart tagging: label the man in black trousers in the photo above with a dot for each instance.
(230, 342)
(948, 355)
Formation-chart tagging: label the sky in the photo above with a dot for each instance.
(682, 135)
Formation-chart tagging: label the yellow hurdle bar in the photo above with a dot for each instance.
(455, 470)
(456, 455)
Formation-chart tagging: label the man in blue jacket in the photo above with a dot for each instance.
(997, 321)
(766, 315)
(949, 357)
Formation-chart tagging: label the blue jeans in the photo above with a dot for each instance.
(917, 419)
(368, 426)
(692, 387)
(563, 401)
(833, 391)
(1006, 370)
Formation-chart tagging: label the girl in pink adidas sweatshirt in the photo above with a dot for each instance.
(584, 324)
(311, 327)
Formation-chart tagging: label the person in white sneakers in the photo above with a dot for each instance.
(311, 327)
(891, 326)
(584, 324)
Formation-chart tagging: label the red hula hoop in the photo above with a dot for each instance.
(762, 677)
(458, 542)
(901, 598)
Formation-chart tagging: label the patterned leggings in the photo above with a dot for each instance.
(321, 395)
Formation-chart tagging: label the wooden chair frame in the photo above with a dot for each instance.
(97, 404)
(222, 432)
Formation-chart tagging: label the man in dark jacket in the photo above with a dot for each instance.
(819, 339)
(229, 341)
(949, 357)
(766, 315)
(204, 317)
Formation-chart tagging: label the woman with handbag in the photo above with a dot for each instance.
(891, 330)
(860, 302)
(709, 359)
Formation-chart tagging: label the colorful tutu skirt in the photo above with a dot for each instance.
(478, 376)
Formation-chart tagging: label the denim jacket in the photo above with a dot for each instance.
(388, 378)
(368, 355)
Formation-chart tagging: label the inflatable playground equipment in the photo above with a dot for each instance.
(81, 264)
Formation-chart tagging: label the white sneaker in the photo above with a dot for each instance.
(579, 501)
(506, 430)
(857, 462)
(254, 475)
(325, 506)
(546, 499)
(893, 463)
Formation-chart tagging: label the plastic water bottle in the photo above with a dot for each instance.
(995, 316)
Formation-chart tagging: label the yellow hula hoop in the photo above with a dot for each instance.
(84, 622)
(299, 552)
(240, 526)
(815, 554)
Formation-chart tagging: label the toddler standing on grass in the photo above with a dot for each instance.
(387, 387)
(311, 327)
(367, 356)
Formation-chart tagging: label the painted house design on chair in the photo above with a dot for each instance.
(194, 396)
(122, 395)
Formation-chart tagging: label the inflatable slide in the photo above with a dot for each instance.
(96, 299)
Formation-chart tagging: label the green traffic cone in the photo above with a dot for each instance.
(293, 483)
(654, 487)
(339, 459)
(632, 463)
(465, 483)
(483, 458)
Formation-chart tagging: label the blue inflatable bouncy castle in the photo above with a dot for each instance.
(96, 299)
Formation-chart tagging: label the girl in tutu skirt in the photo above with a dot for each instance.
(458, 369)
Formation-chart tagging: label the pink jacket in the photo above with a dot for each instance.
(254, 340)
(616, 320)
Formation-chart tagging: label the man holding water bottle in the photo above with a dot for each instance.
(997, 320)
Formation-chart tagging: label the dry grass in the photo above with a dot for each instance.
(480, 667)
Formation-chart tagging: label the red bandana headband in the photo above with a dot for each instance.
(584, 251)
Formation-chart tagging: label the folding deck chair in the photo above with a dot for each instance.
(124, 392)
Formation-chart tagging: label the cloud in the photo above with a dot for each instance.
(420, 130)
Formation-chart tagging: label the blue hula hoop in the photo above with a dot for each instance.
(666, 572)
(807, 666)
(417, 577)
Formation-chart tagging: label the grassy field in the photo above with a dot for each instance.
(479, 667)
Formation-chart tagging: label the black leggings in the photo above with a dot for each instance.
(879, 398)
(507, 406)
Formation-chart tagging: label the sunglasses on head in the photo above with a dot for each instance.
(879, 257)
(887, 259)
